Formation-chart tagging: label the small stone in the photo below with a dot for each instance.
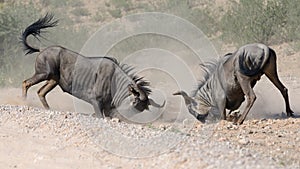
(223, 139)
(232, 127)
(229, 126)
(115, 120)
(255, 121)
(244, 141)
(140, 127)
(263, 119)
(239, 162)
(162, 127)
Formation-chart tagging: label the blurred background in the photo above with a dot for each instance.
(228, 24)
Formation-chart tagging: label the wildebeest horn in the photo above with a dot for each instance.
(190, 103)
(187, 98)
(152, 103)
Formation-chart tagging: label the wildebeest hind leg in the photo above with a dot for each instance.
(50, 84)
(35, 79)
(271, 73)
(250, 95)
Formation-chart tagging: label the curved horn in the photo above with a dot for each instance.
(187, 98)
(152, 103)
(191, 104)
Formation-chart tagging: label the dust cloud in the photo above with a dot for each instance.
(166, 75)
(56, 98)
(270, 103)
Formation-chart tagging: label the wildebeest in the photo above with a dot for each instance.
(100, 81)
(230, 79)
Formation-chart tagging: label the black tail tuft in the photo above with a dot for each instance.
(35, 30)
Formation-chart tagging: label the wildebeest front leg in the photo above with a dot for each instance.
(249, 93)
(221, 106)
(50, 84)
(97, 108)
(271, 73)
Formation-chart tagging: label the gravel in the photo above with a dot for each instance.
(258, 143)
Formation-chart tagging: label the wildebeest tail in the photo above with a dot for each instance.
(35, 30)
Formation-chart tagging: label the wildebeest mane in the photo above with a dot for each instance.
(112, 59)
(208, 69)
(140, 81)
(125, 76)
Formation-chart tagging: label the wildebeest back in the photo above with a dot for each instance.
(251, 59)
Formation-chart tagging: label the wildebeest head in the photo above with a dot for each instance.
(197, 109)
(141, 100)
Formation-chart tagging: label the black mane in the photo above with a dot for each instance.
(208, 69)
(140, 82)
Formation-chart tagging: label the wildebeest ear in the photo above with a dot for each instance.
(133, 91)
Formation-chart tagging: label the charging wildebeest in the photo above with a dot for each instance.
(100, 81)
(230, 79)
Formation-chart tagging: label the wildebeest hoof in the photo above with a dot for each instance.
(290, 114)
(234, 123)
(233, 116)
(240, 121)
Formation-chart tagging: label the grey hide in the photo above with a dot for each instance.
(100, 81)
(231, 79)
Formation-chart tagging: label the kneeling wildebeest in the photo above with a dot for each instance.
(100, 81)
(230, 79)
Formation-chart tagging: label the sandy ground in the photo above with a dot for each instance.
(36, 138)
(32, 137)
